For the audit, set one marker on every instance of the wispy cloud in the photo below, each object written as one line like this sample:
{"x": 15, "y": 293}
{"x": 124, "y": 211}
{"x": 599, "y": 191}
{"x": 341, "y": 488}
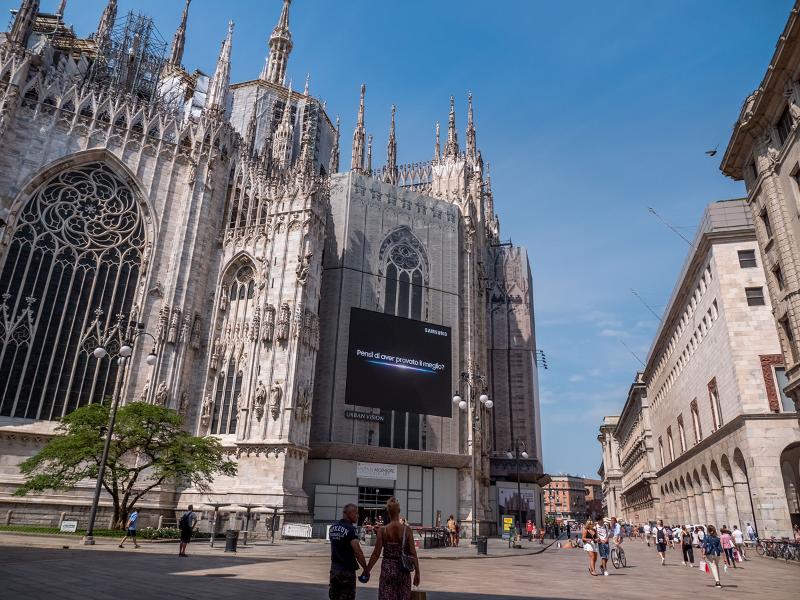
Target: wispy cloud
{"x": 614, "y": 333}
{"x": 577, "y": 377}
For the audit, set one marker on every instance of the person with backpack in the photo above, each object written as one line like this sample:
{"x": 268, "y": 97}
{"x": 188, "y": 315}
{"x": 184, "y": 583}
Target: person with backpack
{"x": 186, "y": 525}
{"x": 661, "y": 541}
{"x": 686, "y": 547}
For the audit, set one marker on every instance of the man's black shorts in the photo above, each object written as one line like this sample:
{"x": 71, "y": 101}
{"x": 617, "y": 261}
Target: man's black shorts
{"x": 132, "y": 533}
{"x": 186, "y": 535}
{"x": 343, "y": 585}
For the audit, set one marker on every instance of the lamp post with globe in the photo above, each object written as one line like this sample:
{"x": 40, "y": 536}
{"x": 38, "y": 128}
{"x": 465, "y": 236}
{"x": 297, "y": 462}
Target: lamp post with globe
{"x": 117, "y": 339}
{"x": 474, "y": 383}
{"x": 519, "y": 451}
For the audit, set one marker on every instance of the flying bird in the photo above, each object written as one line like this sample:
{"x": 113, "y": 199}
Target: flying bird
{"x": 712, "y": 152}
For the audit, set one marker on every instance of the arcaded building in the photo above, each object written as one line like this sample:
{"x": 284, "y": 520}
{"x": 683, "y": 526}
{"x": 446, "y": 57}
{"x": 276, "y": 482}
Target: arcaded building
{"x": 719, "y": 417}
{"x": 137, "y": 192}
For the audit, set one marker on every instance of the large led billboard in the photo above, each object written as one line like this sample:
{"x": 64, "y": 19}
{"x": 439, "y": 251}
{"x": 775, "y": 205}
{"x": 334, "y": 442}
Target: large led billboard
{"x": 399, "y": 364}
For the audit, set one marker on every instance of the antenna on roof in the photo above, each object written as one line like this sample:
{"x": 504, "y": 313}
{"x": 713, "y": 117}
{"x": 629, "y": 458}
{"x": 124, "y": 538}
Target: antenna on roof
{"x": 631, "y": 351}
{"x": 675, "y": 231}
{"x": 635, "y": 293}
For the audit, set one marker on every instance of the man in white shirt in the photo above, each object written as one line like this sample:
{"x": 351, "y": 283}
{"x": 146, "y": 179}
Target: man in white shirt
{"x": 738, "y": 541}
{"x": 647, "y": 533}
{"x": 751, "y": 533}
{"x": 603, "y": 534}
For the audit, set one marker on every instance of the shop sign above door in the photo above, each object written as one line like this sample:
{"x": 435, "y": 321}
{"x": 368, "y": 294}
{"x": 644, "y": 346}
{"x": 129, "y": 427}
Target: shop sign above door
{"x": 376, "y": 471}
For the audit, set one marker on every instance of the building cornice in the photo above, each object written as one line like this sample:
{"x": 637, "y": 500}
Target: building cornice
{"x": 336, "y": 450}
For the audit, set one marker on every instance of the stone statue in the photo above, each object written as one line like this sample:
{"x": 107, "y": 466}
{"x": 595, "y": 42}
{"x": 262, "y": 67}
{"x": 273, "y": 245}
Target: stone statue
{"x": 260, "y": 400}
{"x": 223, "y": 299}
{"x": 303, "y": 267}
{"x": 145, "y": 391}
{"x": 183, "y": 402}
{"x": 205, "y": 411}
{"x": 172, "y": 335}
{"x": 162, "y": 394}
{"x": 275, "y": 402}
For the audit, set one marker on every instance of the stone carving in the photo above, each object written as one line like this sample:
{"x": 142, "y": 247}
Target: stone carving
{"x": 205, "y": 411}
{"x": 186, "y": 328}
{"x": 303, "y": 267}
{"x": 145, "y": 391}
{"x": 303, "y": 404}
{"x": 269, "y": 324}
{"x": 196, "y": 332}
{"x": 215, "y": 356}
{"x": 223, "y": 300}
{"x": 183, "y": 402}
{"x": 162, "y": 394}
{"x": 163, "y": 318}
{"x": 275, "y": 401}
{"x": 284, "y": 322}
{"x": 172, "y": 334}
{"x": 260, "y": 400}
{"x": 255, "y": 325}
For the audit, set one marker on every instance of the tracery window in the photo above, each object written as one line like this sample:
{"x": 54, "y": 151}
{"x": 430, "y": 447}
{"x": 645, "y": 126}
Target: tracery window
{"x": 235, "y": 319}
{"x": 404, "y": 264}
{"x": 74, "y": 256}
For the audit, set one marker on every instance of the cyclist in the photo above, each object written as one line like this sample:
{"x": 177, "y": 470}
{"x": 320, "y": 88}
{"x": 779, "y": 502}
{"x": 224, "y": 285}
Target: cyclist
{"x": 616, "y": 532}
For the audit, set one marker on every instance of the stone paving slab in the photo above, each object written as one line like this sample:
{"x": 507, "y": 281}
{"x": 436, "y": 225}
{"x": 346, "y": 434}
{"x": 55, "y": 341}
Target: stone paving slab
{"x": 37, "y": 572}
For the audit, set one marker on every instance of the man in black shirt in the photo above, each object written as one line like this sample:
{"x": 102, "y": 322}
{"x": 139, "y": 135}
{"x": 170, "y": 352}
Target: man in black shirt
{"x": 346, "y": 555}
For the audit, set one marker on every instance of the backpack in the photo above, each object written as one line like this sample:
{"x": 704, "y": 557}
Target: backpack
{"x": 184, "y": 522}
{"x": 660, "y": 536}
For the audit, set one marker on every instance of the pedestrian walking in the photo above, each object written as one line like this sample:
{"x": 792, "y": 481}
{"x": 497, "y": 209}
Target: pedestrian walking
{"x": 589, "y": 537}
{"x": 738, "y": 541}
{"x": 727, "y": 547}
{"x": 131, "y": 526}
{"x": 186, "y": 525}
{"x": 396, "y": 541}
{"x": 529, "y": 530}
{"x": 751, "y": 533}
{"x": 647, "y": 530}
{"x": 712, "y": 548}
{"x": 695, "y": 537}
{"x": 661, "y": 541}
{"x": 686, "y": 547}
{"x": 346, "y": 556}
{"x": 603, "y": 535}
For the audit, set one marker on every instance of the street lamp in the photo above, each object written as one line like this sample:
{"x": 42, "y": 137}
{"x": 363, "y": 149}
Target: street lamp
{"x": 473, "y": 381}
{"x": 111, "y": 340}
{"x": 518, "y": 452}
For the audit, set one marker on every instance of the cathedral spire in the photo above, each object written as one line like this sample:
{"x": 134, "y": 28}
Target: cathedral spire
{"x": 359, "y": 137}
{"x": 280, "y": 46}
{"x": 22, "y": 27}
{"x": 179, "y": 41}
{"x": 284, "y": 135}
{"x": 308, "y": 79}
{"x": 471, "y": 143}
{"x": 218, "y": 87}
{"x": 62, "y": 8}
{"x": 369, "y": 154}
{"x": 334, "y": 163}
{"x": 391, "y": 152}
{"x": 252, "y": 127}
{"x": 451, "y": 149}
{"x": 103, "y": 34}
{"x": 437, "y": 149}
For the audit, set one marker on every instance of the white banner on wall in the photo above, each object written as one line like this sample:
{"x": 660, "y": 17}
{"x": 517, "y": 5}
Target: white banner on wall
{"x": 376, "y": 471}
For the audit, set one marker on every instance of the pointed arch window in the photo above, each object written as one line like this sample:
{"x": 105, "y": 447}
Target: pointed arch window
{"x": 75, "y": 255}
{"x": 404, "y": 264}
{"x": 235, "y": 323}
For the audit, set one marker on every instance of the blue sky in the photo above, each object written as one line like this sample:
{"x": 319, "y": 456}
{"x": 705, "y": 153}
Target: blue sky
{"x": 589, "y": 112}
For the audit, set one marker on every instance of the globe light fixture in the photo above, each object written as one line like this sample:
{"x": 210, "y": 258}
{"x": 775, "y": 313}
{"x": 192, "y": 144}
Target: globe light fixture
{"x": 99, "y": 352}
{"x": 121, "y": 360}
{"x": 456, "y": 399}
{"x": 524, "y": 454}
{"x": 509, "y": 454}
{"x": 462, "y": 405}
{"x": 151, "y": 358}
{"x": 484, "y": 398}
{"x": 125, "y": 351}
{"x": 488, "y": 404}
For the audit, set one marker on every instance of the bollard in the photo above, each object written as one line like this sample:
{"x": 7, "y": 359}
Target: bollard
{"x": 483, "y": 545}
{"x": 9, "y": 514}
{"x": 160, "y": 521}
{"x": 61, "y": 519}
{"x": 231, "y": 540}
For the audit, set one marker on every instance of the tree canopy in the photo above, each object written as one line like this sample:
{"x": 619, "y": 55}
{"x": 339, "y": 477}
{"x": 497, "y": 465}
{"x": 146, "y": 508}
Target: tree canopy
{"x": 148, "y": 449}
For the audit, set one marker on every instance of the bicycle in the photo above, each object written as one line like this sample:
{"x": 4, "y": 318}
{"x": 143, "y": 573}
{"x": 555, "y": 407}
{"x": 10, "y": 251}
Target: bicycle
{"x": 618, "y": 557}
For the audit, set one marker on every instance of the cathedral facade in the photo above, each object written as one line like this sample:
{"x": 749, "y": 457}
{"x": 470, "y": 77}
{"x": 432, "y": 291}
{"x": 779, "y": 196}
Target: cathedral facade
{"x": 136, "y": 195}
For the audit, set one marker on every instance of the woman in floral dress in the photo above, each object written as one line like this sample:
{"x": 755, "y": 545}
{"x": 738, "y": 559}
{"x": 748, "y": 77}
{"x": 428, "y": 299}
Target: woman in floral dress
{"x": 395, "y": 582}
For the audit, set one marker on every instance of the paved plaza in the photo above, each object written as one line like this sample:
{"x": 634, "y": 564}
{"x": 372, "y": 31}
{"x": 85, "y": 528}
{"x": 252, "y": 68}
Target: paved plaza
{"x": 39, "y": 568}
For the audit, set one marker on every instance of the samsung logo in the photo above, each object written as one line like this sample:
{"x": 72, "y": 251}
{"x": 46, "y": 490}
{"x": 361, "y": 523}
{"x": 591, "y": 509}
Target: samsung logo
{"x": 435, "y": 331}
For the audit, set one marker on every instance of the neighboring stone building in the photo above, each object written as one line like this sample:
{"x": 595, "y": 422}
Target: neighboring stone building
{"x": 594, "y": 498}
{"x": 712, "y": 378}
{"x": 610, "y": 471}
{"x": 764, "y": 152}
{"x": 565, "y": 498}
{"x": 214, "y": 215}
{"x": 638, "y": 492}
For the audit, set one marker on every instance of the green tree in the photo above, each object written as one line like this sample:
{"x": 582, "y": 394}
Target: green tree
{"x": 148, "y": 448}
